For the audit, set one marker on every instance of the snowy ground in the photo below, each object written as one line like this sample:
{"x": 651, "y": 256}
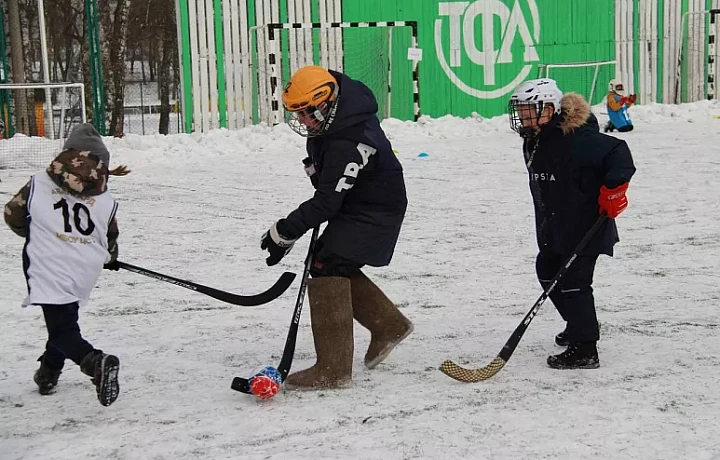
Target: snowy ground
{"x": 195, "y": 207}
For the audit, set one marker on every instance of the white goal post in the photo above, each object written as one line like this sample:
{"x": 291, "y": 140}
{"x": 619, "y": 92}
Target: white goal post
{"x": 698, "y": 60}
{"x": 337, "y": 58}
{"x": 585, "y": 78}
{"x": 49, "y": 112}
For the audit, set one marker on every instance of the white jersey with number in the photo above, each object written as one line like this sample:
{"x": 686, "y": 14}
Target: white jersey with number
{"x": 67, "y": 243}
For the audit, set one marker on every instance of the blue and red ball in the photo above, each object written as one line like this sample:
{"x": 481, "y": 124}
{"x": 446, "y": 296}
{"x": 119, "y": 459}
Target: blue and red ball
{"x": 266, "y": 383}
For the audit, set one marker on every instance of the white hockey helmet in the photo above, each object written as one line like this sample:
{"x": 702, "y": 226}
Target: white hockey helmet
{"x": 616, "y": 86}
{"x": 538, "y": 93}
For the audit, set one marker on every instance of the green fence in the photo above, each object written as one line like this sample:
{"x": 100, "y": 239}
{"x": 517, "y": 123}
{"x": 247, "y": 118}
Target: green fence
{"x": 474, "y": 52}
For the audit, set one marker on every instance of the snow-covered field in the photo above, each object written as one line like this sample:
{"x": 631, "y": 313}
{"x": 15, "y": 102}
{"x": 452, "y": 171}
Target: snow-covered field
{"x": 195, "y": 207}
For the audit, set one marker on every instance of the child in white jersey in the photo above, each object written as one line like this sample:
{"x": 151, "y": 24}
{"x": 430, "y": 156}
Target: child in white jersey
{"x": 67, "y": 216}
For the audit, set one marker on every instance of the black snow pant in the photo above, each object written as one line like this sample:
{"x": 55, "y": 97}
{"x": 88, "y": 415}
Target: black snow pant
{"x": 573, "y": 295}
{"x": 328, "y": 263}
{"x": 64, "y": 338}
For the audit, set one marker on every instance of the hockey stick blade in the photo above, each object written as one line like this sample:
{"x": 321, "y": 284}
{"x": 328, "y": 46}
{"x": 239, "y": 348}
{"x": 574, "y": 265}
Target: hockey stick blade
{"x": 243, "y": 385}
{"x": 462, "y": 374}
{"x": 275, "y": 291}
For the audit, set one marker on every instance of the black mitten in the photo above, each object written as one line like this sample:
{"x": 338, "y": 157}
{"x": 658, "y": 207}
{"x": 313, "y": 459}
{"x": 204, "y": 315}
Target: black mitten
{"x": 112, "y": 265}
{"x": 276, "y": 244}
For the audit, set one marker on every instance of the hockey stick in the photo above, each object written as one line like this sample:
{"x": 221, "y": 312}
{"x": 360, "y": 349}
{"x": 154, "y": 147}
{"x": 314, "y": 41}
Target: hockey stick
{"x": 271, "y": 294}
{"x": 462, "y": 374}
{"x": 243, "y": 385}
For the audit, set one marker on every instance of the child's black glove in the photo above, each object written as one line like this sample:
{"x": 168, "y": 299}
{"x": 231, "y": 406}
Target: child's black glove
{"x": 112, "y": 265}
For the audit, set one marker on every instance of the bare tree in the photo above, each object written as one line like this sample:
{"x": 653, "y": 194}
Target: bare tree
{"x": 113, "y": 16}
{"x": 18, "y": 67}
{"x": 168, "y": 51}
{"x": 65, "y": 35}
{"x": 30, "y": 27}
{"x": 139, "y": 31}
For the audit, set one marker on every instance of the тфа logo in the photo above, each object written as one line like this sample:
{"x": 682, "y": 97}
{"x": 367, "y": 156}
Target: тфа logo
{"x": 465, "y": 21}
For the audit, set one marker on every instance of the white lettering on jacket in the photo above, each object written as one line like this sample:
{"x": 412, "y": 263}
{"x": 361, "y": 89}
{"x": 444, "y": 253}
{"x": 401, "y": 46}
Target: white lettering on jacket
{"x": 352, "y": 169}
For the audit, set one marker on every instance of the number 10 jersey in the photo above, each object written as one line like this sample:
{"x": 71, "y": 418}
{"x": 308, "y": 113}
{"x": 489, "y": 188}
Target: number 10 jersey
{"x": 67, "y": 242}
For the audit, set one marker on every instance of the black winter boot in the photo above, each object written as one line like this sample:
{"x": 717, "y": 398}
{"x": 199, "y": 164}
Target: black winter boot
{"x": 103, "y": 370}
{"x": 46, "y": 378}
{"x": 562, "y": 338}
{"x": 579, "y": 355}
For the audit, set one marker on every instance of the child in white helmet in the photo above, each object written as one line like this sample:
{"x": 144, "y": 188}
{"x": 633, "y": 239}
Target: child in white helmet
{"x": 575, "y": 174}
{"x": 617, "y": 108}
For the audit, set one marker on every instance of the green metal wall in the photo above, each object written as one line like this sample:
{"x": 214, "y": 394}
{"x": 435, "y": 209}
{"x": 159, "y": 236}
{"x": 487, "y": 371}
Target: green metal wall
{"x": 566, "y": 31}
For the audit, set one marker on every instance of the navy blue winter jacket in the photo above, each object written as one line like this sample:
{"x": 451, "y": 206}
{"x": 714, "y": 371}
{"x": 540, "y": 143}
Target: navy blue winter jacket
{"x": 567, "y": 164}
{"x": 360, "y": 190}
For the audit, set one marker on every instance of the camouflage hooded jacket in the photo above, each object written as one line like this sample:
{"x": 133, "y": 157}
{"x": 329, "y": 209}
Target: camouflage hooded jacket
{"x": 77, "y": 172}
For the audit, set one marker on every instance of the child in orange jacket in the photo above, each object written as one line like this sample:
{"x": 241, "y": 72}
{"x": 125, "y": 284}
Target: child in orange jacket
{"x": 617, "y": 105}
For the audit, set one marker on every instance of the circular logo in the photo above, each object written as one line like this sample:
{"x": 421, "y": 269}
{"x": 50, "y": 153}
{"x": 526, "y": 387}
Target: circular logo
{"x": 465, "y": 20}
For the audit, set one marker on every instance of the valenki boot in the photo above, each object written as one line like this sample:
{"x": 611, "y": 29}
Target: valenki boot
{"x": 387, "y": 325}
{"x": 332, "y": 325}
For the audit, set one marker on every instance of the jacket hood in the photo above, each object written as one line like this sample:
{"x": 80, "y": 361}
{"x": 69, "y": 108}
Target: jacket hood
{"x": 84, "y": 137}
{"x": 575, "y": 113}
{"x": 356, "y": 103}
{"x": 79, "y": 172}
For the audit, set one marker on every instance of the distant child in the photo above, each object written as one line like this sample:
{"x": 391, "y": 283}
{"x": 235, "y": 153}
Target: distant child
{"x": 617, "y": 108}
{"x": 67, "y": 217}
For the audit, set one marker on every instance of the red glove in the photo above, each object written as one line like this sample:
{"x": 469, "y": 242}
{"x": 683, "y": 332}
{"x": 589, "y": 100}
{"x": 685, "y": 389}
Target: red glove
{"x": 633, "y": 98}
{"x": 613, "y": 201}
{"x": 623, "y": 100}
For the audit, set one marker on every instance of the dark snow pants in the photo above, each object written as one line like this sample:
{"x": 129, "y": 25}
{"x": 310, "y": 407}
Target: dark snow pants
{"x": 64, "y": 338}
{"x": 573, "y": 295}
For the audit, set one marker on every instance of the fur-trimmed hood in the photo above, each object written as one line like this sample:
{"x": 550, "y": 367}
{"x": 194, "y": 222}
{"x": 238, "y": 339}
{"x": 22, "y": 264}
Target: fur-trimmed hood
{"x": 575, "y": 112}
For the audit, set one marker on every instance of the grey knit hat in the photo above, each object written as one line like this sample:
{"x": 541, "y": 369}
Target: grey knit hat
{"x": 85, "y": 137}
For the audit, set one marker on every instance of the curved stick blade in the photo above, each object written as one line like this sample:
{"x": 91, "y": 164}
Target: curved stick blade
{"x": 275, "y": 291}
{"x": 462, "y": 374}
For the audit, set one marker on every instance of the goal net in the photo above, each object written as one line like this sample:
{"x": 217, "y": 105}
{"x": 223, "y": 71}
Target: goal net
{"x": 374, "y": 44}
{"x": 587, "y": 78}
{"x": 380, "y": 54}
{"x": 698, "y": 57}
{"x": 35, "y": 119}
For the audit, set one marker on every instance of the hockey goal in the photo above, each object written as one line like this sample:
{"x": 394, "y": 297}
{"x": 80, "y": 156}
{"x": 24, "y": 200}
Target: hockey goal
{"x": 698, "y": 57}
{"x": 587, "y": 78}
{"x": 383, "y": 55}
{"x": 35, "y": 119}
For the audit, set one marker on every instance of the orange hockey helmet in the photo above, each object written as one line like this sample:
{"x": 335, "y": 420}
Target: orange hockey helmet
{"x": 310, "y": 99}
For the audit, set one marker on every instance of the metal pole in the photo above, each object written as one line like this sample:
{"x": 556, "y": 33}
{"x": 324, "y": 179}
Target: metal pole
{"x": 142, "y": 108}
{"x": 46, "y": 67}
{"x": 592, "y": 88}
{"x": 82, "y": 100}
{"x": 389, "y": 85}
{"x": 62, "y": 113}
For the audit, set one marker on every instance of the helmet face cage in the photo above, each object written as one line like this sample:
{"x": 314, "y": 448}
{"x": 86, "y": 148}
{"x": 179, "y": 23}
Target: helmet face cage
{"x": 313, "y": 120}
{"x": 617, "y": 87}
{"x": 525, "y": 116}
